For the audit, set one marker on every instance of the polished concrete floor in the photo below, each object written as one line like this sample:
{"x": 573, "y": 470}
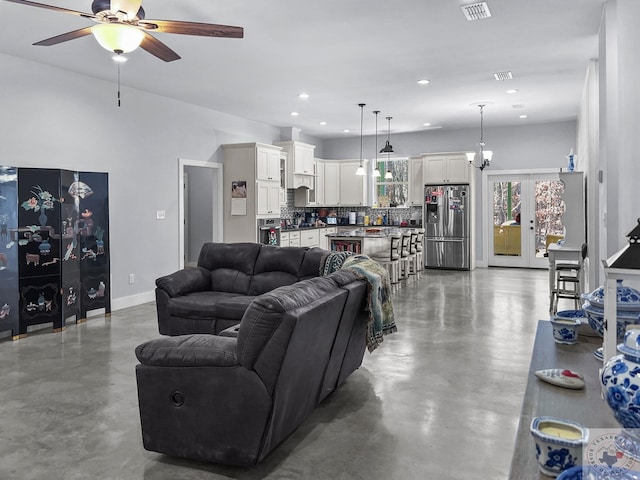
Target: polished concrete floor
{"x": 440, "y": 399}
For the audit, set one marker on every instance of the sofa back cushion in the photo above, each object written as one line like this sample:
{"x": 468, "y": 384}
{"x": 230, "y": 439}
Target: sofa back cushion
{"x": 265, "y": 315}
{"x": 311, "y": 263}
{"x": 231, "y": 265}
{"x": 275, "y": 267}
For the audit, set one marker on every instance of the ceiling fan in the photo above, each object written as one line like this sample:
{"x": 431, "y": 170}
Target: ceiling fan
{"x": 121, "y": 28}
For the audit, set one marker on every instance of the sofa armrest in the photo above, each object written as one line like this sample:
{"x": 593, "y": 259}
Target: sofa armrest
{"x": 185, "y": 281}
{"x": 231, "y": 331}
{"x": 197, "y": 350}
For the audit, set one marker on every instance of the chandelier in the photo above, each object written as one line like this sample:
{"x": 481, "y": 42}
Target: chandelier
{"x": 482, "y": 158}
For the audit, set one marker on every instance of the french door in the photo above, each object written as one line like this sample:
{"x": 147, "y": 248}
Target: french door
{"x": 525, "y": 216}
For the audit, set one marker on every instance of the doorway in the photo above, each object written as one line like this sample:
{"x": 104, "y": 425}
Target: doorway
{"x": 525, "y": 215}
{"x": 200, "y": 207}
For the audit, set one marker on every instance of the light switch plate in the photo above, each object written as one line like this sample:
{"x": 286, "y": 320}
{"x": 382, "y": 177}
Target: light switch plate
{"x": 160, "y": 215}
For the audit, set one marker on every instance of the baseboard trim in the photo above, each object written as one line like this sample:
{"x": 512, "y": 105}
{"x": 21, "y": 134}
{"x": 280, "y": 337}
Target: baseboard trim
{"x": 133, "y": 300}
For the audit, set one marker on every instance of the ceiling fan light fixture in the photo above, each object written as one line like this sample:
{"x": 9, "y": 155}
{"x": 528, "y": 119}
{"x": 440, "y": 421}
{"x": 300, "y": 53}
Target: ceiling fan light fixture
{"x": 117, "y": 37}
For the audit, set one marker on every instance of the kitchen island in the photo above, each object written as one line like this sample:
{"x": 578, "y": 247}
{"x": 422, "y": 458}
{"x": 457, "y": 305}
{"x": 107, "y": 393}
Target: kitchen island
{"x": 366, "y": 241}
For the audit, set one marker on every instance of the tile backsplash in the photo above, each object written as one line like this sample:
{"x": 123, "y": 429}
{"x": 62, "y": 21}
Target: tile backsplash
{"x": 394, "y": 215}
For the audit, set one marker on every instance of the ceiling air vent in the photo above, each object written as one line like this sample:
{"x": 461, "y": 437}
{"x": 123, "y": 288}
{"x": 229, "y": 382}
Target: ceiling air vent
{"x": 476, "y": 11}
{"x": 503, "y": 76}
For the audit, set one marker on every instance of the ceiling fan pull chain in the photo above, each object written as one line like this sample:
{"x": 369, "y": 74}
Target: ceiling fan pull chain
{"x": 118, "y": 84}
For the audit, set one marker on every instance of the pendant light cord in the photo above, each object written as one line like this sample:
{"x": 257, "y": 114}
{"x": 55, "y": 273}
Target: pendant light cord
{"x": 118, "y": 84}
{"x": 361, "y": 105}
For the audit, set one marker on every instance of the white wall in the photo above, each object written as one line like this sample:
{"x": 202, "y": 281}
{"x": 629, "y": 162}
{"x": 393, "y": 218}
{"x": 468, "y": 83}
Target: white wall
{"x": 57, "y": 119}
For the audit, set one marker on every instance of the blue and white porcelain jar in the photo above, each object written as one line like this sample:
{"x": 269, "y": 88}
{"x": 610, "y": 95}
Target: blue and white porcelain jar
{"x": 621, "y": 388}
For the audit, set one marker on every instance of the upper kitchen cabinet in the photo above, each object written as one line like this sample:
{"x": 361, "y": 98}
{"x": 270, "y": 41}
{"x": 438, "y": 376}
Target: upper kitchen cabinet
{"x": 353, "y": 188}
{"x": 446, "y": 168}
{"x": 267, "y": 163}
{"x": 416, "y": 181}
{"x": 331, "y": 179}
{"x": 300, "y": 163}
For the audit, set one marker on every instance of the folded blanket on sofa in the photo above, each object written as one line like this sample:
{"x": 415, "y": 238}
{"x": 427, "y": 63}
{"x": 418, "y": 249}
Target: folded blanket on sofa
{"x": 381, "y": 319}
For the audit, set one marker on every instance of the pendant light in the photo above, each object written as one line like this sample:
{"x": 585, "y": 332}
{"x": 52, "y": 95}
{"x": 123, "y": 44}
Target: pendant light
{"x": 388, "y": 175}
{"x": 376, "y": 171}
{"x": 388, "y": 148}
{"x": 360, "y": 171}
{"x": 482, "y": 156}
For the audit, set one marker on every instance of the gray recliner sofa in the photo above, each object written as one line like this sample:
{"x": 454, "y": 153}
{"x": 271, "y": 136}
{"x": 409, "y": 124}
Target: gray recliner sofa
{"x": 214, "y": 295}
{"x": 232, "y": 400}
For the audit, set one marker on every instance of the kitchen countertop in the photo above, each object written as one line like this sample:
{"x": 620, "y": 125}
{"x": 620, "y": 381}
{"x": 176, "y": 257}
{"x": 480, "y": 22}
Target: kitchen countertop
{"x": 356, "y": 226}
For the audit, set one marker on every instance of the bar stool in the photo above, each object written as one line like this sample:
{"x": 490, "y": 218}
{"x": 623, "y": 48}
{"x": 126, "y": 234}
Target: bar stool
{"x": 419, "y": 247}
{"x": 406, "y": 257}
{"x": 568, "y": 281}
{"x": 390, "y": 259}
{"x": 413, "y": 253}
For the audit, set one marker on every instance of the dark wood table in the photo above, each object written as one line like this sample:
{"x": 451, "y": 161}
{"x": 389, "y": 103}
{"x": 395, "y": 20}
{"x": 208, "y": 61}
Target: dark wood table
{"x": 542, "y": 399}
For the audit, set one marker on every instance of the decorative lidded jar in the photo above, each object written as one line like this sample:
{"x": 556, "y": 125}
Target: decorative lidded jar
{"x": 621, "y": 388}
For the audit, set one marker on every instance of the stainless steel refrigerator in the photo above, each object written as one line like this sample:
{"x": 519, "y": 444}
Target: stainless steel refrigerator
{"x": 447, "y": 225}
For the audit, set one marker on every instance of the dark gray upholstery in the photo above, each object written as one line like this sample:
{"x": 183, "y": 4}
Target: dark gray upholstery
{"x": 232, "y": 399}
{"x": 214, "y": 295}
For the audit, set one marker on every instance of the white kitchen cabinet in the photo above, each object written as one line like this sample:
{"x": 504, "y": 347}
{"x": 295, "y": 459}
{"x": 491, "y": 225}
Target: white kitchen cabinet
{"x": 353, "y": 188}
{"x": 331, "y": 174}
{"x": 284, "y": 239}
{"x": 310, "y": 238}
{"x": 268, "y": 198}
{"x": 283, "y": 179}
{"x": 416, "y": 181}
{"x": 453, "y": 168}
{"x": 300, "y": 163}
{"x": 294, "y": 239}
{"x": 267, "y": 164}
{"x": 319, "y": 188}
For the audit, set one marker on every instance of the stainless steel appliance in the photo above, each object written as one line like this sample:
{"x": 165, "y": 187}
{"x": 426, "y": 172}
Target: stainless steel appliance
{"x": 269, "y": 231}
{"x": 446, "y": 237}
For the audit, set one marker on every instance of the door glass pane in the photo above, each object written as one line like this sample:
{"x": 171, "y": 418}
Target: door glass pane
{"x": 549, "y": 210}
{"x": 506, "y": 218}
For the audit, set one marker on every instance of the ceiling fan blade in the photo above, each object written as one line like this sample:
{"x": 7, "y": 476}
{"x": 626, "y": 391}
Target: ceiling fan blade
{"x": 157, "y": 48}
{"x": 192, "y": 28}
{"x": 51, "y": 7}
{"x": 65, "y": 37}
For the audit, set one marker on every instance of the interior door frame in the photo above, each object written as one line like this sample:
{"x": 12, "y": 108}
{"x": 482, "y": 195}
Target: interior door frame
{"x": 217, "y": 233}
{"x": 487, "y": 218}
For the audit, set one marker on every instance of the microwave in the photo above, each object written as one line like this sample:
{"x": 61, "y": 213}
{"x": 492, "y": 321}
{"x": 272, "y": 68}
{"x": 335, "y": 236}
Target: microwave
{"x": 332, "y": 220}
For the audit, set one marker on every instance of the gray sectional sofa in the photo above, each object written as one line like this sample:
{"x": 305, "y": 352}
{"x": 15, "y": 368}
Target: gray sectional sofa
{"x": 232, "y": 400}
{"x": 214, "y": 295}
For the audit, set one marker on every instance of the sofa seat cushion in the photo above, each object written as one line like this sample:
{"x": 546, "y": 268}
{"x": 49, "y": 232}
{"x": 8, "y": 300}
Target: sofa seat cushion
{"x": 209, "y": 305}
{"x": 188, "y": 351}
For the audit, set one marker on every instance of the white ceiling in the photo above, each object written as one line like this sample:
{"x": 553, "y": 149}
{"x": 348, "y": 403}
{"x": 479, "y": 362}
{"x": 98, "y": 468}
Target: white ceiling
{"x": 344, "y": 52}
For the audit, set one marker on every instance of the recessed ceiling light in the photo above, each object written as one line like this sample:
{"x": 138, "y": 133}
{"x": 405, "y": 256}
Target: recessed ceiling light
{"x": 346, "y": 130}
{"x": 513, "y": 90}
{"x": 323, "y": 123}
{"x": 424, "y": 81}
{"x": 294, "y": 114}
{"x": 304, "y": 96}
{"x": 427, "y": 124}
{"x": 523, "y": 116}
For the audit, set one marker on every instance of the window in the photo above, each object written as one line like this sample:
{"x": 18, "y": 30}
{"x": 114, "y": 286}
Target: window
{"x": 394, "y": 192}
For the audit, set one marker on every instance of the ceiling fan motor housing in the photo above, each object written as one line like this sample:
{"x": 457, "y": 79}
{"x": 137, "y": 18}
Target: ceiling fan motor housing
{"x": 99, "y": 6}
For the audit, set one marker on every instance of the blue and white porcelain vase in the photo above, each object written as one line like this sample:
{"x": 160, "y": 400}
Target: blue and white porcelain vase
{"x": 621, "y": 388}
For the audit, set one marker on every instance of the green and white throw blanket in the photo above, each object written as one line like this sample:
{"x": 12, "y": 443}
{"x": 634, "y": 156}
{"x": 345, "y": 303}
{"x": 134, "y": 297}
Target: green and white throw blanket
{"x": 381, "y": 320}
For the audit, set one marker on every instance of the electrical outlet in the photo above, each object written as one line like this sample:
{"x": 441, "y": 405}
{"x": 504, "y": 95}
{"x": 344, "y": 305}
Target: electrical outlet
{"x": 132, "y": 278}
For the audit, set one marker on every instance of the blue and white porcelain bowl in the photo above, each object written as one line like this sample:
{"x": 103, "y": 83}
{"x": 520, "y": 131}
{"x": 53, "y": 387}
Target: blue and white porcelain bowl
{"x": 558, "y": 444}
{"x": 598, "y": 473}
{"x": 627, "y": 298}
{"x": 565, "y": 330}
{"x": 595, "y": 316}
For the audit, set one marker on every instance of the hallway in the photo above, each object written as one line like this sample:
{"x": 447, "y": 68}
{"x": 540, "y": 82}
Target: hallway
{"x": 440, "y": 399}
